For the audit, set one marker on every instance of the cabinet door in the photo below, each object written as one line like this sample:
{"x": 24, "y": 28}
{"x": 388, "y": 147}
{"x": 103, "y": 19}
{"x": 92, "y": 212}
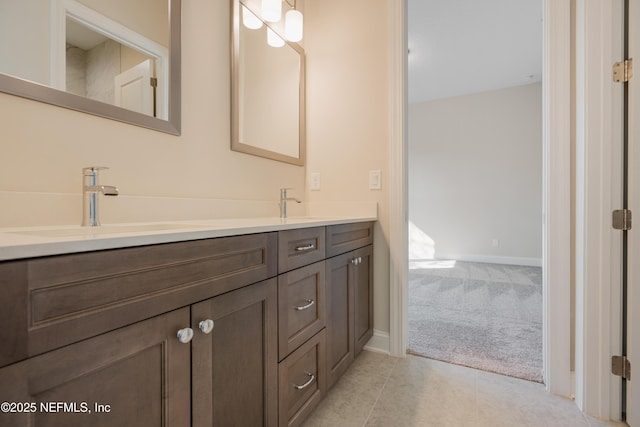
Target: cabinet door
{"x": 137, "y": 375}
{"x": 340, "y": 338}
{"x": 235, "y": 366}
{"x": 363, "y": 296}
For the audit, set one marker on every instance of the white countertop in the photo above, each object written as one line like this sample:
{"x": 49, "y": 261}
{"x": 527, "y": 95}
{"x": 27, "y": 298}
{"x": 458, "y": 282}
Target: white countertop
{"x": 29, "y": 242}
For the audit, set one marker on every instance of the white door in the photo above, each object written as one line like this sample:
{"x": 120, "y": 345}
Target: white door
{"x": 133, "y": 89}
{"x": 633, "y": 289}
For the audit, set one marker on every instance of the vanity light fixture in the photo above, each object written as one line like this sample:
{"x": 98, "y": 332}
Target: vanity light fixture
{"x": 293, "y": 24}
{"x": 272, "y": 10}
{"x": 273, "y": 39}
{"x": 250, "y": 20}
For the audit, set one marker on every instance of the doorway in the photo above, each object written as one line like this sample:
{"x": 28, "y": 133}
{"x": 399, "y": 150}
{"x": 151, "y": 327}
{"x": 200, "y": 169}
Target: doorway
{"x": 475, "y": 184}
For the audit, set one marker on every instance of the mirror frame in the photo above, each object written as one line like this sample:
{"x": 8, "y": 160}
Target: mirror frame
{"x": 241, "y": 147}
{"x": 38, "y": 92}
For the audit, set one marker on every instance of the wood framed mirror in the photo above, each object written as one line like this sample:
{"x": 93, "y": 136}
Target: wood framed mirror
{"x": 268, "y": 89}
{"x": 119, "y": 59}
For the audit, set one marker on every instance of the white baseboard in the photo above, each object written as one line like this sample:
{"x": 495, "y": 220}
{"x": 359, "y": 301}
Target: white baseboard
{"x": 494, "y": 259}
{"x": 379, "y": 342}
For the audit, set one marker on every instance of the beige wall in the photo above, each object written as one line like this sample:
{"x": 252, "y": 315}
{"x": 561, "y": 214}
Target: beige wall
{"x": 475, "y": 174}
{"x": 44, "y": 147}
{"x": 348, "y": 114}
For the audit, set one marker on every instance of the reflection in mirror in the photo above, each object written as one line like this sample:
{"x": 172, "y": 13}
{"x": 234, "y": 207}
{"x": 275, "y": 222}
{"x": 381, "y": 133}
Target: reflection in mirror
{"x": 106, "y": 58}
{"x": 268, "y": 90}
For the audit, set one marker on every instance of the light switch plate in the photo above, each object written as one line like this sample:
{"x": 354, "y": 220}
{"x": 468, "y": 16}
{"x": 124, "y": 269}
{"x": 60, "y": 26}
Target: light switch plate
{"x": 375, "y": 180}
{"x": 314, "y": 185}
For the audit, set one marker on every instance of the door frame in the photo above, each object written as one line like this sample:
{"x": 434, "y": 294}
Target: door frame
{"x": 556, "y": 194}
{"x": 597, "y": 248}
{"x": 598, "y": 102}
{"x": 61, "y": 9}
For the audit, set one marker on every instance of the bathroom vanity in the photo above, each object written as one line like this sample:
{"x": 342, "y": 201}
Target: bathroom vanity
{"x": 240, "y": 327}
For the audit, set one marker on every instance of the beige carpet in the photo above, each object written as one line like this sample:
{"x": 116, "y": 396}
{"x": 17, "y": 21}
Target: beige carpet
{"x": 485, "y": 316}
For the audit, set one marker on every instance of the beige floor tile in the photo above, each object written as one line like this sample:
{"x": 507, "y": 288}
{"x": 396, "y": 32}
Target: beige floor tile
{"x": 351, "y": 399}
{"x": 382, "y": 391}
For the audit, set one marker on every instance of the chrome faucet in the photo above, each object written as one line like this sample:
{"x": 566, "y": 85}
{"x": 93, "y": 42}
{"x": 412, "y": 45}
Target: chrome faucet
{"x": 283, "y": 201}
{"x": 90, "y": 190}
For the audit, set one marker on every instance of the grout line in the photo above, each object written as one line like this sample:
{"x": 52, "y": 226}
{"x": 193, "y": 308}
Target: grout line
{"x": 379, "y": 394}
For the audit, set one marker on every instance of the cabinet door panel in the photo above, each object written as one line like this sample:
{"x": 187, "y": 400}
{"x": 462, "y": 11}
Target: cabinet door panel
{"x": 140, "y": 373}
{"x": 363, "y": 299}
{"x": 234, "y": 371}
{"x": 339, "y": 288}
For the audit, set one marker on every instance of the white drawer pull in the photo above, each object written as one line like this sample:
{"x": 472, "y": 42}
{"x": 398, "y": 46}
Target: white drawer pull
{"x": 305, "y": 247}
{"x": 310, "y": 302}
{"x": 307, "y": 384}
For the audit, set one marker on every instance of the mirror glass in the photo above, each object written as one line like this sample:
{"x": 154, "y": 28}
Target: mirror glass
{"x": 268, "y": 90}
{"x": 119, "y": 59}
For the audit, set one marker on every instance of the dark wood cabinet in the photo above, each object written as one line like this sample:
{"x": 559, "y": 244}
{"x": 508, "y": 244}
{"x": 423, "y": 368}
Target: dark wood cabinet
{"x": 340, "y": 316}
{"x": 267, "y": 323}
{"x": 349, "y": 290}
{"x": 235, "y": 366}
{"x": 301, "y": 311}
{"x": 363, "y": 297}
{"x": 136, "y": 375}
{"x": 302, "y": 381}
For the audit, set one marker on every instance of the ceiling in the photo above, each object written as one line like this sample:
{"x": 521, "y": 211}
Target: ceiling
{"x": 458, "y": 47}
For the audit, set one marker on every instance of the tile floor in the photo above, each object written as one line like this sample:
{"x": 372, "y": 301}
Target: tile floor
{"x": 380, "y": 390}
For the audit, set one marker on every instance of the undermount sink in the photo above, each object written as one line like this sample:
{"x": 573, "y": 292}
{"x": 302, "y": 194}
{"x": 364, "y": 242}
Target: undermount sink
{"x": 109, "y": 229}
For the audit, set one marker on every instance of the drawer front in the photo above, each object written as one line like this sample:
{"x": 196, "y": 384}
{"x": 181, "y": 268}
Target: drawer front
{"x": 302, "y": 381}
{"x": 73, "y": 297}
{"x": 297, "y": 248}
{"x": 301, "y": 306}
{"x": 343, "y": 238}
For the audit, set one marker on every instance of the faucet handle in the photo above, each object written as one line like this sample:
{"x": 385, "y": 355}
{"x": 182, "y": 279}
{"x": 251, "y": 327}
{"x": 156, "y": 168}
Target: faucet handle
{"x": 92, "y": 170}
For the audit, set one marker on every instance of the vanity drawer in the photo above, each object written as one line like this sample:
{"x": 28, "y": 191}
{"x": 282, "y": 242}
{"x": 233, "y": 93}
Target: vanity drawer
{"x": 72, "y": 297}
{"x": 301, "y": 306}
{"x": 343, "y": 238}
{"x": 300, "y": 247}
{"x": 302, "y": 381}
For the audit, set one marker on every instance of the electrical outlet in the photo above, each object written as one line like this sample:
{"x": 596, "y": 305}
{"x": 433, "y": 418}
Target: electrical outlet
{"x": 375, "y": 180}
{"x": 314, "y": 185}
{"x": 495, "y": 242}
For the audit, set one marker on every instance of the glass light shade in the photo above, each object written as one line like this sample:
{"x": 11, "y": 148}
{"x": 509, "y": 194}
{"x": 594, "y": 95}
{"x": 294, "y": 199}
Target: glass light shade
{"x": 250, "y": 20}
{"x": 293, "y": 25}
{"x": 273, "y": 39}
{"x": 271, "y": 10}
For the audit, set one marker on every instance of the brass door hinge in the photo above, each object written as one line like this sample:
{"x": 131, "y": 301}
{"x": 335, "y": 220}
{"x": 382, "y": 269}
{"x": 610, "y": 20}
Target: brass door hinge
{"x": 623, "y": 71}
{"x": 621, "y": 367}
{"x": 622, "y": 219}
{"x": 154, "y": 82}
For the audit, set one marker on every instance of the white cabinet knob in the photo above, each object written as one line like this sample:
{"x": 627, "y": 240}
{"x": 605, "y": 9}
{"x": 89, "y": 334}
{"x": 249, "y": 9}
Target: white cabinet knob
{"x": 206, "y": 326}
{"x": 185, "y": 335}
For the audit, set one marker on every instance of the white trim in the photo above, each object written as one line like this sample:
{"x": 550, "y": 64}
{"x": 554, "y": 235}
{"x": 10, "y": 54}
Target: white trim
{"x": 556, "y": 83}
{"x": 379, "y": 342}
{"x": 493, "y": 259}
{"x": 99, "y": 23}
{"x": 597, "y": 192}
{"x": 398, "y": 212}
